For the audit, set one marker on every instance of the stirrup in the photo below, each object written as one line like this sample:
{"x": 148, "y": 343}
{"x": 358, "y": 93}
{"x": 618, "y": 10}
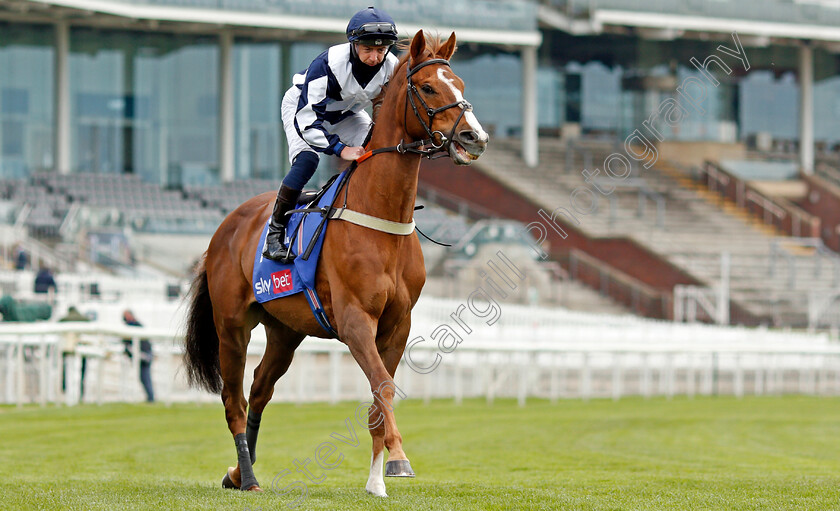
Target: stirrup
{"x": 283, "y": 256}
{"x": 286, "y": 256}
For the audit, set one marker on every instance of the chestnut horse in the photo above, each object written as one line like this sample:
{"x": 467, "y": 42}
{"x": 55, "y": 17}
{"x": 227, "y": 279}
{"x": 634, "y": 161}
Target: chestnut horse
{"x": 368, "y": 280}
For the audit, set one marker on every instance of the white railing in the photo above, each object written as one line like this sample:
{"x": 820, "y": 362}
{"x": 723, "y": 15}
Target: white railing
{"x": 528, "y": 353}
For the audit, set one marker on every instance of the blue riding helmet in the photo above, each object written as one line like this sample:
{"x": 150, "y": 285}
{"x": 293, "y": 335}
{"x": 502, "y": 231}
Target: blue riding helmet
{"x": 372, "y": 26}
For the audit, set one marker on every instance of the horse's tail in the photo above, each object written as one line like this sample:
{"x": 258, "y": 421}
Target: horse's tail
{"x": 201, "y": 346}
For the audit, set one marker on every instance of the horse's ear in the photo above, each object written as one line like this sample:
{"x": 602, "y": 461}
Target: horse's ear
{"x": 448, "y": 48}
{"x": 418, "y": 46}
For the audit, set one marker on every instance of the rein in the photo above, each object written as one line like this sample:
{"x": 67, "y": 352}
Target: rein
{"x": 437, "y": 141}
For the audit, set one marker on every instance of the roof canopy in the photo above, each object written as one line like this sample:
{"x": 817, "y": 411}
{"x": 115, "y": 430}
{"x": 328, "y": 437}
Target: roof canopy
{"x": 760, "y": 22}
{"x": 508, "y": 23}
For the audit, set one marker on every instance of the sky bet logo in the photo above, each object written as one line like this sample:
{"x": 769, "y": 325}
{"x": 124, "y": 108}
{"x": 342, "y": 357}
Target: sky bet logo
{"x": 281, "y": 281}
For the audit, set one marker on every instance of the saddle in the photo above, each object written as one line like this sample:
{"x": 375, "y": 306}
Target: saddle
{"x": 305, "y": 235}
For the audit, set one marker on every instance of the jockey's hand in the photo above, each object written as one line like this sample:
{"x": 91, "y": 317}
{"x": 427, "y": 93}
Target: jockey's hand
{"x": 352, "y": 153}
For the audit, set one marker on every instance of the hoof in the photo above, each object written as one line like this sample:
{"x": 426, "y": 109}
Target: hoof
{"x": 256, "y": 488}
{"x": 398, "y": 468}
{"x": 227, "y": 480}
{"x": 376, "y": 488}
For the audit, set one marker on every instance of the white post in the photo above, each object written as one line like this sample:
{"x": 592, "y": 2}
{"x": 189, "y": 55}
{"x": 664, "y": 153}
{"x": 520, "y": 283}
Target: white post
{"x": 759, "y": 376}
{"x": 708, "y": 376}
{"x": 100, "y": 370}
{"x": 61, "y": 101}
{"x": 459, "y": 377}
{"x": 407, "y": 380}
{"x": 42, "y": 380}
{"x": 690, "y": 377}
{"x": 585, "y": 378}
{"x": 530, "y": 149}
{"x": 57, "y": 364}
{"x": 823, "y": 376}
{"x": 491, "y": 384}
{"x": 554, "y": 385}
{"x": 670, "y": 384}
{"x": 723, "y": 290}
{"x": 20, "y": 371}
{"x": 806, "y": 109}
{"x": 617, "y": 377}
{"x": 73, "y": 380}
{"x": 427, "y": 390}
{"x": 226, "y": 139}
{"x": 335, "y": 376}
{"x": 10, "y": 372}
{"x": 523, "y": 380}
{"x": 303, "y": 373}
{"x": 802, "y": 374}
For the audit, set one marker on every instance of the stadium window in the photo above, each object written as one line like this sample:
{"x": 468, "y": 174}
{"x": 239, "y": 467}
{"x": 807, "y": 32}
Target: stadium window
{"x": 12, "y": 138}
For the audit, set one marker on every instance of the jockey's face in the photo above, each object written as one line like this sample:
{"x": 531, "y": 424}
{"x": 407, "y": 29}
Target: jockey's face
{"x": 371, "y": 55}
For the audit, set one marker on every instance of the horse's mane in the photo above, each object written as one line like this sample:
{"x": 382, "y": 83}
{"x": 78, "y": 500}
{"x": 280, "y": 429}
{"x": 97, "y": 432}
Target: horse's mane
{"x": 433, "y": 44}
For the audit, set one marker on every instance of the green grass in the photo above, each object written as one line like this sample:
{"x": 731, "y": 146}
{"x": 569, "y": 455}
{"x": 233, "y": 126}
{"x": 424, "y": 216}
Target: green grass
{"x": 722, "y": 453}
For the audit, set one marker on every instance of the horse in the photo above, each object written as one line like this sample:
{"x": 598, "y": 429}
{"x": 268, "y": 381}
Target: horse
{"x": 368, "y": 280}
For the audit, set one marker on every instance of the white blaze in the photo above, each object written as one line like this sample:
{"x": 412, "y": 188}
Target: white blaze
{"x": 468, "y": 116}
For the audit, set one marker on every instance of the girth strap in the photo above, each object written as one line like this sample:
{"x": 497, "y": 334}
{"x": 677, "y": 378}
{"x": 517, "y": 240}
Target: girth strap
{"x": 372, "y": 222}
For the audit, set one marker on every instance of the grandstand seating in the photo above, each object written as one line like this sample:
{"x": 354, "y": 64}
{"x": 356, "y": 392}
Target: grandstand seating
{"x": 691, "y": 230}
{"x": 124, "y": 200}
{"x": 142, "y": 205}
{"x": 231, "y": 195}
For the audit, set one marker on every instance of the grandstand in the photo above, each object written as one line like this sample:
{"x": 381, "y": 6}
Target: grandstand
{"x": 660, "y": 209}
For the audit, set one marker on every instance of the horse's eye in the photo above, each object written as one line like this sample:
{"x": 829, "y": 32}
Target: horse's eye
{"x": 427, "y": 89}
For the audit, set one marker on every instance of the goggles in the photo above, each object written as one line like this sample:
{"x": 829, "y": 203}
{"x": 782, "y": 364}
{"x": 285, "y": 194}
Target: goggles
{"x": 373, "y": 29}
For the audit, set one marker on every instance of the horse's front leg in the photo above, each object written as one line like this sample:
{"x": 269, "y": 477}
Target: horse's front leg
{"x": 358, "y": 331}
{"x": 391, "y": 350}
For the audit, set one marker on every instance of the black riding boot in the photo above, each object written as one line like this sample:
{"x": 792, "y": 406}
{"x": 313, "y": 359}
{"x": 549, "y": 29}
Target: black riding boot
{"x": 286, "y": 201}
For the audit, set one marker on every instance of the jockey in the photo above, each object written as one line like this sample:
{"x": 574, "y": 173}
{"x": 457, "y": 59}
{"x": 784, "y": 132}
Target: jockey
{"x": 323, "y": 111}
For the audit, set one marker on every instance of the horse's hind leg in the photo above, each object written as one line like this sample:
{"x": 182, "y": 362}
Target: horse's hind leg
{"x": 279, "y": 351}
{"x": 234, "y": 332}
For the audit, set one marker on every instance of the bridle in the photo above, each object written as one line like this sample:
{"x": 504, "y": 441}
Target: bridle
{"x": 411, "y": 93}
{"x": 437, "y": 142}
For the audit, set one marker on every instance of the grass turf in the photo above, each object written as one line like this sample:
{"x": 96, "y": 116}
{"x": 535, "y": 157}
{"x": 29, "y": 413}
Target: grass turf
{"x": 706, "y": 453}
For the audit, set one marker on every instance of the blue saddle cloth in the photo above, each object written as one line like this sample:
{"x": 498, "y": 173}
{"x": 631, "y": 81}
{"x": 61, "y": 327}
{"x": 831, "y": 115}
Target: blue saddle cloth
{"x": 275, "y": 280}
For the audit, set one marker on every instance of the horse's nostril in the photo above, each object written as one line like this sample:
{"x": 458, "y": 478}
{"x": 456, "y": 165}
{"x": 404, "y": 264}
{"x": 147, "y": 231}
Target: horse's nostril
{"x": 468, "y": 136}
